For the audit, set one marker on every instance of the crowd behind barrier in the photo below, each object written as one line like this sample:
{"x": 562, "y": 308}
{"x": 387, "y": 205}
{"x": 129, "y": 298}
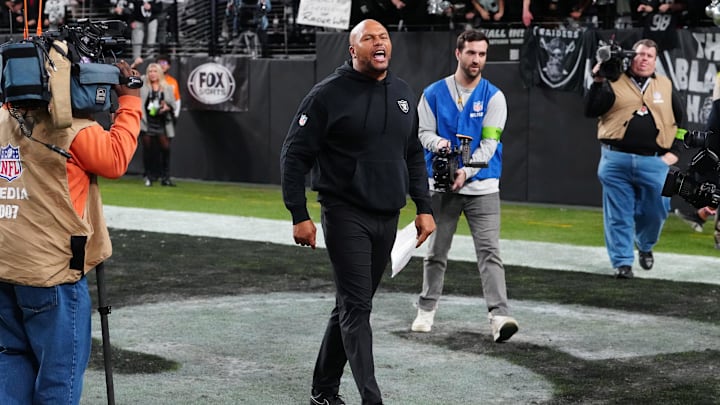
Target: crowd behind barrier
{"x": 259, "y": 28}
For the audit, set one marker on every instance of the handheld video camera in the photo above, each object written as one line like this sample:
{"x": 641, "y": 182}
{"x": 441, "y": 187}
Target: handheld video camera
{"x": 613, "y": 59}
{"x": 698, "y": 183}
{"x": 448, "y": 160}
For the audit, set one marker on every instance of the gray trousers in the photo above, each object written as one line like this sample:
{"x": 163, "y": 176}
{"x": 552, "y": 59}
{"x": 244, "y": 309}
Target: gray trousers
{"x": 483, "y": 215}
{"x": 138, "y": 39}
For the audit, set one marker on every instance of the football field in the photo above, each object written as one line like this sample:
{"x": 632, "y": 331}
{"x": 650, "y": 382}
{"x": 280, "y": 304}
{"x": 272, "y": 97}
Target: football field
{"x": 211, "y": 309}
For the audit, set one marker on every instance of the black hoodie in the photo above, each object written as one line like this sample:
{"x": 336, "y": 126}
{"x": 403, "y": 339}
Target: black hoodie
{"x": 358, "y": 135}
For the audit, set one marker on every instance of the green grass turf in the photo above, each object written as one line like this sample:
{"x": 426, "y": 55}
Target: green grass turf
{"x": 532, "y": 222}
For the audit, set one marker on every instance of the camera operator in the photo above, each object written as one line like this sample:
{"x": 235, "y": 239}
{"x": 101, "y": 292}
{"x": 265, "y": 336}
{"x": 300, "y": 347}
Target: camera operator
{"x": 53, "y": 233}
{"x": 638, "y": 127}
{"x": 466, "y": 103}
{"x": 713, "y": 142}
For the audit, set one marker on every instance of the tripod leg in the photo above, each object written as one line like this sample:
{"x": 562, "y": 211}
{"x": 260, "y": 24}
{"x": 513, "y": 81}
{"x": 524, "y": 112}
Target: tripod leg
{"x": 104, "y": 310}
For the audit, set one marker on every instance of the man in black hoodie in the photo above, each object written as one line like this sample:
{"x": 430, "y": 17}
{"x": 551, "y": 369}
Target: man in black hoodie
{"x": 356, "y": 131}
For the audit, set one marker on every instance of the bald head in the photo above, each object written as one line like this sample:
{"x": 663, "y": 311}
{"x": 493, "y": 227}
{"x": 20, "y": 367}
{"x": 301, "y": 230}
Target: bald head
{"x": 358, "y": 29}
{"x": 370, "y": 48}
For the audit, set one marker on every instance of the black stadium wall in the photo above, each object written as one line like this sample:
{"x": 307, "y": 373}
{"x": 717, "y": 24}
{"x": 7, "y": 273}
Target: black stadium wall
{"x": 551, "y": 151}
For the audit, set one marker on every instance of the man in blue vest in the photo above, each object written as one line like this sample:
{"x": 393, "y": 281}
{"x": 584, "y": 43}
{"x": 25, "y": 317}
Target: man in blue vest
{"x": 465, "y": 109}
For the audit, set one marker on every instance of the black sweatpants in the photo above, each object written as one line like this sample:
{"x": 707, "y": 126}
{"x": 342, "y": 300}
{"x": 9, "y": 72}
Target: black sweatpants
{"x": 359, "y": 245}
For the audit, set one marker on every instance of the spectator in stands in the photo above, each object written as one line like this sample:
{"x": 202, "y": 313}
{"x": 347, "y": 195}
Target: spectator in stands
{"x": 625, "y": 15}
{"x": 412, "y": 15}
{"x": 261, "y": 24}
{"x": 697, "y": 14}
{"x": 13, "y": 15}
{"x": 606, "y": 11}
{"x": 167, "y": 31}
{"x": 120, "y": 10}
{"x": 551, "y": 12}
{"x": 142, "y": 17}
{"x": 660, "y": 20}
{"x": 488, "y": 10}
{"x": 33, "y": 14}
{"x": 156, "y": 127}
{"x": 249, "y": 16}
{"x": 55, "y": 13}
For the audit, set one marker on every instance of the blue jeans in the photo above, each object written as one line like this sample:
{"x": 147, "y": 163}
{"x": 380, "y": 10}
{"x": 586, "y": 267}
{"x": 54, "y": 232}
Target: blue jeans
{"x": 634, "y": 210}
{"x": 44, "y": 343}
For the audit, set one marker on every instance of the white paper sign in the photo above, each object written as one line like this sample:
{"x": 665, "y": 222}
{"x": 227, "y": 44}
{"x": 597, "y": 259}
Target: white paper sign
{"x": 403, "y": 248}
{"x": 325, "y": 13}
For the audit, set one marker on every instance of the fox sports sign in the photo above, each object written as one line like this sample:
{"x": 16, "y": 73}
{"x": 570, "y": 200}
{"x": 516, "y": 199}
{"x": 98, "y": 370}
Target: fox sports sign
{"x": 211, "y": 83}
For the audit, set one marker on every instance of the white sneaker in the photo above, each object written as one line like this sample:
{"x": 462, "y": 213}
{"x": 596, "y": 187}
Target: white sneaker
{"x": 503, "y": 327}
{"x": 424, "y": 321}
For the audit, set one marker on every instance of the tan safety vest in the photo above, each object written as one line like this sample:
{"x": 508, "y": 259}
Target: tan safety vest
{"x": 628, "y": 100}
{"x": 44, "y": 241}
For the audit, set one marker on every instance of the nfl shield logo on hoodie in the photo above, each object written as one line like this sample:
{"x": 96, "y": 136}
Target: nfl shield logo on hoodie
{"x": 404, "y": 106}
{"x": 10, "y": 166}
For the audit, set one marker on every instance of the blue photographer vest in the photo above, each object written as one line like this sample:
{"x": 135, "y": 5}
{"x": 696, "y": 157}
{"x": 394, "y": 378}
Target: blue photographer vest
{"x": 468, "y": 122}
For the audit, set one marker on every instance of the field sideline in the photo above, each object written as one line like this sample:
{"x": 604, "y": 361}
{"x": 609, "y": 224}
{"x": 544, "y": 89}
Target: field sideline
{"x": 240, "y": 322}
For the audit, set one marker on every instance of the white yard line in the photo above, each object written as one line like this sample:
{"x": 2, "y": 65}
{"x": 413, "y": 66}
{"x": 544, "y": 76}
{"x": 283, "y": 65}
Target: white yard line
{"x": 702, "y": 269}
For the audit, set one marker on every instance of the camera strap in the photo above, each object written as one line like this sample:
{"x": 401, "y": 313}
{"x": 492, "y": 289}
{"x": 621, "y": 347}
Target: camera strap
{"x": 58, "y": 65}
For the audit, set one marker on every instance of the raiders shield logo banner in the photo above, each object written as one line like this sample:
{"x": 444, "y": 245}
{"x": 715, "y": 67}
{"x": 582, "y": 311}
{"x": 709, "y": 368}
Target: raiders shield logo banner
{"x": 553, "y": 58}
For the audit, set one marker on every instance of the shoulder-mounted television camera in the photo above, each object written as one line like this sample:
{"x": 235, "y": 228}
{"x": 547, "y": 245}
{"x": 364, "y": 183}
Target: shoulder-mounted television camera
{"x": 447, "y": 161}
{"x": 65, "y": 72}
{"x": 613, "y": 59}
{"x": 27, "y": 66}
{"x": 698, "y": 183}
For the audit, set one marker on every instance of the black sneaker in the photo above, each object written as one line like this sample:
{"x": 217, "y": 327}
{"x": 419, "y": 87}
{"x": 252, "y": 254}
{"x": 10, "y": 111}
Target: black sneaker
{"x": 693, "y": 219}
{"x": 624, "y": 272}
{"x": 646, "y": 260}
{"x": 326, "y": 399}
{"x": 167, "y": 182}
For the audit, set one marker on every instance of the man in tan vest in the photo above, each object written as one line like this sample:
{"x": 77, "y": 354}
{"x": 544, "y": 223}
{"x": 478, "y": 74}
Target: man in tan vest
{"x": 53, "y": 232}
{"x": 639, "y": 116}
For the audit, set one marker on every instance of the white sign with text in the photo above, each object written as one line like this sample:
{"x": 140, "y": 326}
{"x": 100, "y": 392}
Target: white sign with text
{"x": 325, "y": 13}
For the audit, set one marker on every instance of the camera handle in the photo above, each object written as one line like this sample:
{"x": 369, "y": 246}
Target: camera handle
{"x": 465, "y": 152}
{"x": 132, "y": 82}
{"x": 464, "y": 147}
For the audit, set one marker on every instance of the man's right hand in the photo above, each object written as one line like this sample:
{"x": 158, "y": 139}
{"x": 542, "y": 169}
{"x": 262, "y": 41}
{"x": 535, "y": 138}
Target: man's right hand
{"x": 596, "y": 73}
{"x": 304, "y": 233}
{"x": 442, "y": 143}
{"x": 425, "y": 225}
{"x": 527, "y": 18}
{"x": 126, "y": 71}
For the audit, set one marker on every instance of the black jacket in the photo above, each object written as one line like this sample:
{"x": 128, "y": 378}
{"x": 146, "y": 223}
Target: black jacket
{"x": 359, "y": 137}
